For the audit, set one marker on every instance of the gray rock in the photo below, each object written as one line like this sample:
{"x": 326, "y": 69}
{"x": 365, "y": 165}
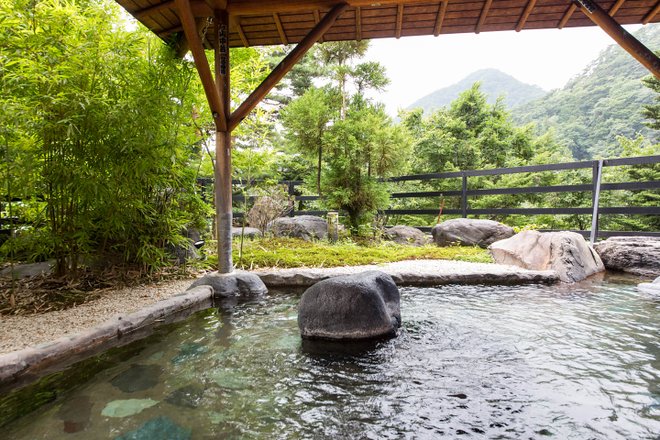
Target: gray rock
{"x": 305, "y": 227}
{"x": 470, "y": 232}
{"x": 406, "y": 235}
{"x": 188, "y": 396}
{"x": 352, "y": 307}
{"x": 228, "y": 285}
{"x": 188, "y": 251}
{"x": 652, "y": 288}
{"x": 247, "y": 232}
{"x": 161, "y": 427}
{"x": 636, "y": 255}
{"x": 28, "y": 270}
{"x": 567, "y": 253}
{"x": 137, "y": 378}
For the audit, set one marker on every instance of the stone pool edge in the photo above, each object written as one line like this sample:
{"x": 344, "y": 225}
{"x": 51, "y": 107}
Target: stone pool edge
{"x": 17, "y": 368}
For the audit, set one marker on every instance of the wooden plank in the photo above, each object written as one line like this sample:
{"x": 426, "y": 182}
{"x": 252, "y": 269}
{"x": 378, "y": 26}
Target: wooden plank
{"x": 482, "y": 17}
{"x": 615, "y": 7}
{"x": 567, "y": 16}
{"x": 399, "y": 21}
{"x": 317, "y": 19}
{"x": 285, "y": 65}
{"x": 241, "y": 34}
{"x": 525, "y": 15}
{"x": 651, "y": 15}
{"x": 280, "y": 29}
{"x": 442, "y": 11}
{"x": 629, "y": 43}
{"x": 201, "y": 63}
{"x": 358, "y": 23}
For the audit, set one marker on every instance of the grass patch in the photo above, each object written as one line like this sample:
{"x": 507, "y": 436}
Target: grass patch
{"x": 291, "y": 252}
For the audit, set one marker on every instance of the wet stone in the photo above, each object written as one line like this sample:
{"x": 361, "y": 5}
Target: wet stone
{"x": 161, "y": 427}
{"x": 128, "y": 407}
{"x": 189, "y": 352}
{"x": 137, "y": 378}
{"x": 188, "y": 396}
{"x": 75, "y": 413}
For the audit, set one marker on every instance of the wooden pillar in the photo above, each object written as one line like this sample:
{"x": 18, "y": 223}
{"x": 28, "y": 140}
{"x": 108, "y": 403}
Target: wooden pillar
{"x": 223, "y": 187}
{"x": 629, "y": 43}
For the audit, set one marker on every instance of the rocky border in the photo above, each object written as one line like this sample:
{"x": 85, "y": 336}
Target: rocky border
{"x": 20, "y": 367}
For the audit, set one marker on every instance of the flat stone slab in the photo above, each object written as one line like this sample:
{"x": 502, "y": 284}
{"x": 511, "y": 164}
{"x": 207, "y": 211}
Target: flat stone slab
{"x": 414, "y": 273}
{"x": 21, "y": 366}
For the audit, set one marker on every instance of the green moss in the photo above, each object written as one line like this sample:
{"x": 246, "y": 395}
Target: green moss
{"x": 290, "y": 252}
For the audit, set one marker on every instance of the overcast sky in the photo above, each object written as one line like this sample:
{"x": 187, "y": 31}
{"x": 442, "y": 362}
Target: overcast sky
{"x": 548, "y": 58}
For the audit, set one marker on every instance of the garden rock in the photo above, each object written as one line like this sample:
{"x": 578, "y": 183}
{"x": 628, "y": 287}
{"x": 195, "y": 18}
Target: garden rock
{"x": 231, "y": 285}
{"x": 28, "y": 270}
{"x": 305, "y": 227}
{"x": 182, "y": 253}
{"x": 636, "y": 255}
{"x": 406, "y": 235}
{"x": 351, "y": 307}
{"x": 567, "y": 253}
{"x": 247, "y": 233}
{"x": 470, "y": 232}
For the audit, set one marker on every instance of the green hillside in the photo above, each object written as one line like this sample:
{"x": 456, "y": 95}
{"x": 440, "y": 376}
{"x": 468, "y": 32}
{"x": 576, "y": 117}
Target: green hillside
{"x": 494, "y": 84}
{"x": 598, "y": 105}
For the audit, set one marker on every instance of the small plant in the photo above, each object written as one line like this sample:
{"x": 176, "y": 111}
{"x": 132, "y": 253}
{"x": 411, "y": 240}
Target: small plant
{"x": 272, "y": 204}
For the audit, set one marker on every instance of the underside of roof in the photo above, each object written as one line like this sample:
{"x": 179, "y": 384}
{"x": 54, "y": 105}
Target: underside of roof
{"x": 269, "y": 22}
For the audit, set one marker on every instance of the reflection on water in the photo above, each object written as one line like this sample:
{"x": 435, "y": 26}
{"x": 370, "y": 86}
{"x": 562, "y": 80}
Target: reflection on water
{"x": 572, "y": 362}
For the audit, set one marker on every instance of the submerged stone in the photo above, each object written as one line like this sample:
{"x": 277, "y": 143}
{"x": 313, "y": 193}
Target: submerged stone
{"x": 137, "y": 378}
{"x": 188, "y": 396}
{"x": 75, "y": 413}
{"x": 161, "y": 427}
{"x": 189, "y": 352}
{"x": 128, "y": 407}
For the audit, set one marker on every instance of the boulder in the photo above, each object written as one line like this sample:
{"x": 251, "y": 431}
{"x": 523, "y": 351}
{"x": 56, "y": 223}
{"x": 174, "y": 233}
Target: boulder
{"x": 352, "y": 307}
{"x": 470, "y": 232}
{"x": 567, "y": 253}
{"x": 306, "y": 227}
{"x": 652, "y": 288}
{"x": 406, "y": 235}
{"x": 636, "y": 255}
{"x": 188, "y": 251}
{"x": 232, "y": 285}
{"x": 247, "y": 232}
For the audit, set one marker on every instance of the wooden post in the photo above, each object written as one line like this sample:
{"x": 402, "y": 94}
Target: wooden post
{"x": 223, "y": 189}
{"x": 629, "y": 43}
{"x": 597, "y": 176}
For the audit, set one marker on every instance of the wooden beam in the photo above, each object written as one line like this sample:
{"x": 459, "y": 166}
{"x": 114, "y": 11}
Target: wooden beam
{"x": 358, "y": 23}
{"x": 651, "y": 15}
{"x": 399, "y": 20}
{"x": 442, "y": 11}
{"x": 525, "y": 15}
{"x": 616, "y": 7}
{"x": 567, "y": 16}
{"x": 629, "y": 43}
{"x": 482, "y": 17}
{"x": 285, "y": 65}
{"x": 145, "y": 12}
{"x": 317, "y": 19}
{"x": 280, "y": 29}
{"x": 222, "y": 172}
{"x": 261, "y": 7}
{"x": 201, "y": 62}
{"x": 241, "y": 34}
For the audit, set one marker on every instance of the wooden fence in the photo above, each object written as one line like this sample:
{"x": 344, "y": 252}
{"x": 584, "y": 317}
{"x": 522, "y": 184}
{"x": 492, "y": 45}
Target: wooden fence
{"x": 596, "y": 186}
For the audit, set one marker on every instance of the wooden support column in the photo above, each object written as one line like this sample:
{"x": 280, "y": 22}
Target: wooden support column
{"x": 629, "y": 43}
{"x": 285, "y": 66}
{"x": 223, "y": 189}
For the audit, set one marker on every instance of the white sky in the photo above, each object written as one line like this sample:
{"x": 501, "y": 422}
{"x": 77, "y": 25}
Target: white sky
{"x": 548, "y": 58}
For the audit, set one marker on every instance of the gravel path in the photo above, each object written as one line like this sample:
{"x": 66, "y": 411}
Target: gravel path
{"x": 17, "y": 332}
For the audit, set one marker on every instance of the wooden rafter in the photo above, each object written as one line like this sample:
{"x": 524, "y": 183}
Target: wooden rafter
{"x": 652, "y": 13}
{"x": 241, "y": 34}
{"x": 525, "y": 15}
{"x": 358, "y": 23}
{"x": 567, "y": 16}
{"x": 285, "y": 65}
{"x": 482, "y": 17}
{"x": 280, "y": 29}
{"x": 201, "y": 63}
{"x": 317, "y": 19}
{"x": 399, "y": 21}
{"x": 615, "y": 7}
{"x": 442, "y": 11}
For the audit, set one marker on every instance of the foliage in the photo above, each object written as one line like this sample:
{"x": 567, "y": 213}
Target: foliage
{"x": 271, "y": 204}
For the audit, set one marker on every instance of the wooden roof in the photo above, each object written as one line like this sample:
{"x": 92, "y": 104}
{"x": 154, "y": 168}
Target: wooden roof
{"x": 268, "y": 22}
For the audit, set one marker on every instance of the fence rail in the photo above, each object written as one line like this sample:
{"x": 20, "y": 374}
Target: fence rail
{"x": 595, "y": 187}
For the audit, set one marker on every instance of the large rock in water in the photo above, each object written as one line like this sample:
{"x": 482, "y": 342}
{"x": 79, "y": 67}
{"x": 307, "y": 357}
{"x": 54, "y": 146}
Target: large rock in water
{"x": 470, "y": 232}
{"x": 636, "y": 255}
{"x": 406, "y": 235}
{"x": 567, "y": 253}
{"x": 306, "y": 227}
{"x": 238, "y": 283}
{"x": 351, "y": 307}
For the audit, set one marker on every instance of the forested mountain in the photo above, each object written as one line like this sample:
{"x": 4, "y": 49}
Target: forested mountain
{"x": 494, "y": 84}
{"x": 598, "y": 105}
